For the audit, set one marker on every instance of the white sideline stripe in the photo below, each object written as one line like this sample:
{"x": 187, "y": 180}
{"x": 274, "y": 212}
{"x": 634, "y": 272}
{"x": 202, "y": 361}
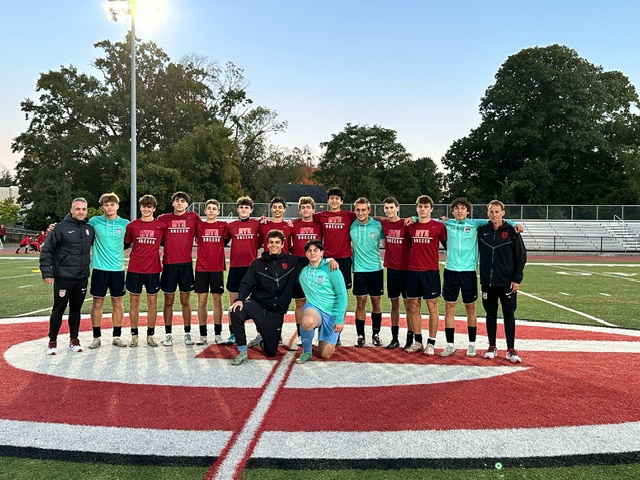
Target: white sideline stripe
{"x": 19, "y": 276}
{"x": 527, "y": 442}
{"x": 228, "y": 468}
{"x": 586, "y": 315}
{"x": 116, "y": 440}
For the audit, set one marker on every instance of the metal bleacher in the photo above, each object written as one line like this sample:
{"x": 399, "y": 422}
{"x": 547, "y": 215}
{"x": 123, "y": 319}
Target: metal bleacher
{"x": 581, "y": 236}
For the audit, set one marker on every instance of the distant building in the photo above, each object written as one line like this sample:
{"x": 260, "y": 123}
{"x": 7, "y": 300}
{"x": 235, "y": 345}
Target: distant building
{"x": 6, "y": 192}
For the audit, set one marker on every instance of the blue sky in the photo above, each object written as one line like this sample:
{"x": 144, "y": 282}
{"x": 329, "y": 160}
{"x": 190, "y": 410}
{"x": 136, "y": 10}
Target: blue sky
{"x": 415, "y": 66}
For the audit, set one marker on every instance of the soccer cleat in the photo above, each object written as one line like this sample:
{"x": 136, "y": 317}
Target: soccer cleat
{"x": 168, "y": 340}
{"x": 201, "y": 341}
{"x": 151, "y": 341}
{"x": 415, "y": 348}
{"x": 218, "y": 339}
{"x": 305, "y": 357}
{"x": 407, "y": 344}
{"x": 448, "y": 351}
{"x": 513, "y": 356}
{"x": 255, "y": 342}
{"x": 393, "y": 344}
{"x": 134, "y": 341}
{"x": 375, "y": 339}
{"x": 187, "y": 339}
{"x": 75, "y": 346}
{"x": 95, "y": 343}
{"x": 117, "y": 341}
{"x": 429, "y": 351}
{"x": 231, "y": 340}
{"x": 361, "y": 341}
{"x": 491, "y": 353}
{"x": 240, "y": 359}
{"x": 471, "y": 351}
{"x": 52, "y": 348}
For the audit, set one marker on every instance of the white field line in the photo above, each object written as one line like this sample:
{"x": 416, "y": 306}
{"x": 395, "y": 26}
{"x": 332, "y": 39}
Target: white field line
{"x": 586, "y": 315}
{"x": 19, "y": 276}
{"x": 233, "y": 462}
{"x": 604, "y": 274}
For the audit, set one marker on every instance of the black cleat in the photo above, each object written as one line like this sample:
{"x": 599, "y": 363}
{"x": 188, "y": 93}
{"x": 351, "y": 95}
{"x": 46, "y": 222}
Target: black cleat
{"x": 361, "y": 342}
{"x": 376, "y": 340}
{"x": 393, "y": 344}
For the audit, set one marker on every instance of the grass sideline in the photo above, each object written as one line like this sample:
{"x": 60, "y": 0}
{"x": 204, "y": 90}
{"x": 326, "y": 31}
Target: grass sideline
{"x": 568, "y": 293}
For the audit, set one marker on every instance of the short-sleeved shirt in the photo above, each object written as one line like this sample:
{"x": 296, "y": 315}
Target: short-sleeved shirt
{"x": 425, "y": 245}
{"x": 108, "y": 247}
{"x": 283, "y": 227}
{"x": 210, "y": 238}
{"x": 365, "y": 241}
{"x": 178, "y": 242}
{"x": 397, "y": 244}
{"x": 146, "y": 238}
{"x": 245, "y": 242}
{"x": 302, "y": 233}
{"x": 335, "y": 232}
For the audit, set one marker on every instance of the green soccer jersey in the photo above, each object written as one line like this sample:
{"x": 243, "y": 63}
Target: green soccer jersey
{"x": 108, "y": 247}
{"x": 325, "y": 289}
{"x": 365, "y": 241}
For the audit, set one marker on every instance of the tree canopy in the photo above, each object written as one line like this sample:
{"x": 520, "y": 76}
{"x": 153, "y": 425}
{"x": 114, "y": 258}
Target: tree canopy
{"x": 555, "y": 129}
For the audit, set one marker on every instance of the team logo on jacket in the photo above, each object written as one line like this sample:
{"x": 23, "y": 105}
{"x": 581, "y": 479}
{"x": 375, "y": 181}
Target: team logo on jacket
{"x": 372, "y": 234}
{"x": 504, "y": 235}
{"x": 320, "y": 279}
{"x": 285, "y": 266}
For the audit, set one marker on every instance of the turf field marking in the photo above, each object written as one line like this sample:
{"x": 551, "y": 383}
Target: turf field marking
{"x": 605, "y": 294}
{"x": 237, "y": 453}
{"x": 586, "y": 315}
{"x": 18, "y": 276}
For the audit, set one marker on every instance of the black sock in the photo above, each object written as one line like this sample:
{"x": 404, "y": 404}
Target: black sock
{"x": 409, "y": 336}
{"x": 394, "y": 333}
{"x": 217, "y": 328}
{"x": 431, "y": 341}
{"x": 117, "y": 331}
{"x": 298, "y": 328}
{"x": 96, "y": 332}
{"x": 472, "y": 334}
{"x": 134, "y": 331}
{"x": 418, "y": 337}
{"x": 449, "y": 333}
{"x": 376, "y": 322}
{"x": 151, "y": 332}
{"x": 203, "y": 330}
{"x": 167, "y": 329}
{"x": 187, "y": 329}
{"x": 360, "y": 327}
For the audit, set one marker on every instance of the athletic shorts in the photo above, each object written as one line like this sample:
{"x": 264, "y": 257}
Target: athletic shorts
{"x": 103, "y": 280}
{"x": 455, "y": 282}
{"x": 235, "y": 278}
{"x": 396, "y": 283}
{"x": 345, "y": 269}
{"x": 298, "y": 292}
{"x": 368, "y": 283}
{"x": 326, "y": 332}
{"x": 150, "y": 281}
{"x": 209, "y": 282}
{"x": 177, "y": 275}
{"x": 423, "y": 284}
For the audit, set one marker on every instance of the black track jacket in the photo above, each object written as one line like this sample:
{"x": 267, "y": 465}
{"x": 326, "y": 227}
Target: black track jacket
{"x": 502, "y": 255}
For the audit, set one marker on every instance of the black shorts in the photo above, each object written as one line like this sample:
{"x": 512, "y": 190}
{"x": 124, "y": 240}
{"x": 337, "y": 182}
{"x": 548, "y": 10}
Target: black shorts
{"x": 178, "y": 275}
{"x": 235, "y": 278}
{"x": 423, "y": 284}
{"x": 150, "y": 281}
{"x": 368, "y": 283}
{"x": 396, "y": 283}
{"x": 345, "y": 269}
{"x": 209, "y": 282}
{"x": 454, "y": 282}
{"x": 103, "y": 280}
{"x": 298, "y": 292}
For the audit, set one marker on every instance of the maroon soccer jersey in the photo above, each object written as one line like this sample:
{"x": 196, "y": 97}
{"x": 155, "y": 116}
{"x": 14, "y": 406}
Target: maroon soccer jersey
{"x": 210, "y": 238}
{"x": 283, "y": 227}
{"x": 302, "y": 233}
{"x": 145, "y": 238}
{"x": 178, "y": 243}
{"x": 335, "y": 232}
{"x": 425, "y": 243}
{"x": 397, "y": 245}
{"x": 245, "y": 242}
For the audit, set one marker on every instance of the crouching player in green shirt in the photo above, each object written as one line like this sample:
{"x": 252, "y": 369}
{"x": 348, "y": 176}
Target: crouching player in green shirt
{"x": 326, "y": 305}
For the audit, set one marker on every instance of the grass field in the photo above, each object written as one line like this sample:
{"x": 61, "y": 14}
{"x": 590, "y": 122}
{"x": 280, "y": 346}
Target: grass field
{"x": 598, "y": 291}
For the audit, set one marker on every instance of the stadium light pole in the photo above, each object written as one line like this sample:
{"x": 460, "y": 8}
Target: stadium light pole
{"x": 116, "y": 9}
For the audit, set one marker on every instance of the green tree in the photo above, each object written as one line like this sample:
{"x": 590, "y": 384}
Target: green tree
{"x": 366, "y": 161}
{"x": 9, "y": 211}
{"x": 6, "y": 179}
{"x": 554, "y": 129}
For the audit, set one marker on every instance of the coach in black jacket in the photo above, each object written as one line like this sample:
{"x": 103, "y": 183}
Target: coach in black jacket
{"x": 502, "y": 259}
{"x": 264, "y": 296}
{"x": 64, "y": 262}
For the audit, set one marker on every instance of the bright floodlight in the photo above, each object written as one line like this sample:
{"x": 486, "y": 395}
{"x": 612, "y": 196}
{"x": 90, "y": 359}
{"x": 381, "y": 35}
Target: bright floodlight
{"x": 148, "y": 13}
